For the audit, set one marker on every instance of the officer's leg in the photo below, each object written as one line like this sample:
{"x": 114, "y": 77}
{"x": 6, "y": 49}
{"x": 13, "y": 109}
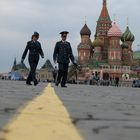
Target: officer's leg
{"x": 34, "y": 73}
{"x": 64, "y": 76}
{"x": 29, "y": 79}
{"x": 60, "y": 72}
{"x": 55, "y": 78}
{"x": 33, "y": 66}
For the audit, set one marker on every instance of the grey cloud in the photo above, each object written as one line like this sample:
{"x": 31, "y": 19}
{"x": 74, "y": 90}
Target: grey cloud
{"x": 19, "y": 19}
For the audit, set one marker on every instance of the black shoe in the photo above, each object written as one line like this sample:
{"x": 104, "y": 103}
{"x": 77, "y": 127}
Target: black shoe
{"x": 29, "y": 84}
{"x": 63, "y": 86}
{"x": 56, "y": 84}
{"x": 35, "y": 83}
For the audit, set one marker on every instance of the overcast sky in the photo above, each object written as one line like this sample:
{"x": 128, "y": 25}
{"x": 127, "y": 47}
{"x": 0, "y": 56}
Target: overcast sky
{"x": 20, "y": 18}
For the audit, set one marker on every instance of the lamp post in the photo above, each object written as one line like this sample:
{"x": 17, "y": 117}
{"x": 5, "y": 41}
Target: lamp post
{"x": 138, "y": 57}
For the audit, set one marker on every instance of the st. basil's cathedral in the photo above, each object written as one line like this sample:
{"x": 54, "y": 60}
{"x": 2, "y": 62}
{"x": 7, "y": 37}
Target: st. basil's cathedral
{"x": 110, "y": 54}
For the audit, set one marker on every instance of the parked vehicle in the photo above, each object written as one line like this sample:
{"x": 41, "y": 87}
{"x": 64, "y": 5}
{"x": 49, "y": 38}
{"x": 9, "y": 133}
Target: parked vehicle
{"x": 136, "y": 83}
{"x": 16, "y": 76}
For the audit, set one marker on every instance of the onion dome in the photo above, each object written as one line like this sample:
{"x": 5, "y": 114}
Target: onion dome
{"x": 85, "y": 30}
{"x": 114, "y": 31}
{"x": 98, "y": 42}
{"x": 124, "y": 45}
{"x": 127, "y": 36}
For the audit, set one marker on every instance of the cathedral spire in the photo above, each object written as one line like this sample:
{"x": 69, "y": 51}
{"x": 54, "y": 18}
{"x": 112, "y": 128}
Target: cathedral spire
{"x": 104, "y": 2}
{"x": 15, "y": 62}
{"x": 127, "y": 24}
{"x": 14, "y": 65}
{"x": 104, "y": 22}
{"x": 85, "y": 19}
{"x": 104, "y": 12}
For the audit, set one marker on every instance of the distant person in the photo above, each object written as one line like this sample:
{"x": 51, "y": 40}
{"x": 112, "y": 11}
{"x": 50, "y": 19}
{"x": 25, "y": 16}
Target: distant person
{"x": 111, "y": 81}
{"x": 35, "y": 50}
{"x": 91, "y": 78}
{"x": 62, "y": 55}
{"x": 134, "y": 82}
{"x": 97, "y": 78}
{"x": 116, "y": 81}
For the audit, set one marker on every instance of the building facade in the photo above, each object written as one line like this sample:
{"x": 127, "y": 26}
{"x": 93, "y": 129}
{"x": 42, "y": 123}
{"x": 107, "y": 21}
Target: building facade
{"x": 110, "y": 54}
{"x": 46, "y": 72}
{"x": 19, "y": 71}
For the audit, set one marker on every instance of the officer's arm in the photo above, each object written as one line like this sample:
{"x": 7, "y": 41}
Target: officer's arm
{"x": 71, "y": 55}
{"x": 25, "y": 52}
{"x": 41, "y": 51}
{"x": 55, "y": 53}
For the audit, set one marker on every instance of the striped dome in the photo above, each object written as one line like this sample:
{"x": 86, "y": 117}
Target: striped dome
{"x": 127, "y": 36}
{"x": 114, "y": 31}
{"x": 125, "y": 45}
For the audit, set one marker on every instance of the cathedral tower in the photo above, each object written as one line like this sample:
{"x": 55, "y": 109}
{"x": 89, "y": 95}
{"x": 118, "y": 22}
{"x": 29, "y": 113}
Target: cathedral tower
{"x": 104, "y": 23}
{"x": 127, "y": 39}
{"x": 114, "y": 50}
{"x": 85, "y": 47}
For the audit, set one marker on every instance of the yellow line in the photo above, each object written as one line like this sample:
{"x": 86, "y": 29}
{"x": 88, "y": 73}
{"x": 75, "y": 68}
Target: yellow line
{"x": 44, "y": 118}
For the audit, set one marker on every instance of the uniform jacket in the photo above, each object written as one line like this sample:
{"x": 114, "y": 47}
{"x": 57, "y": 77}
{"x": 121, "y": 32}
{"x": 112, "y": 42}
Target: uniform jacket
{"x": 34, "y": 49}
{"x": 63, "y": 52}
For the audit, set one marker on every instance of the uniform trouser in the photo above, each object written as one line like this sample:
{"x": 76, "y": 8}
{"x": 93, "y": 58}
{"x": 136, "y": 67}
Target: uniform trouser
{"x": 62, "y": 73}
{"x": 33, "y": 62}
{"x": 54, "y": 77}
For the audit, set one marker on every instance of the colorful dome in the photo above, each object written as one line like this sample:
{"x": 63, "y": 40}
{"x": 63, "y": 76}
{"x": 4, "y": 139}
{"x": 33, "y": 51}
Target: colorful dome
{"x": 127, "y": 36}
{"x": 115, "y": 31}
{"x": 125, "y": 45}
{"x": 85, "y": 30}
{"x": 98, "y": 42}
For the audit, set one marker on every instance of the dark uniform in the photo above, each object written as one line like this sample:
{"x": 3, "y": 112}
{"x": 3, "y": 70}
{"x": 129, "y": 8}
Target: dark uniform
{"x": 35, "y": 51}
{"x": 117, "y": 81}
{"x": 63, "y": 54}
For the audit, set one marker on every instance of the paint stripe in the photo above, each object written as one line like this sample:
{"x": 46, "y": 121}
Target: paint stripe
{"x": 44, "y": 118}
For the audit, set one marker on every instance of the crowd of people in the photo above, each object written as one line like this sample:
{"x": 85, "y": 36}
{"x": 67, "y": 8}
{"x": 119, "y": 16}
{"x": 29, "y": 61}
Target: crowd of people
{"x": 94, "y": 79}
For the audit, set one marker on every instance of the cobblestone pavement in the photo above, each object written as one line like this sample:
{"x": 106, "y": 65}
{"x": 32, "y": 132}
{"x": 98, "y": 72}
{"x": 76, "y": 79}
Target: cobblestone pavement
{"x": 103, "y": 113}
{"x": 14, "y": 95}
{"x": 99, "y": 113}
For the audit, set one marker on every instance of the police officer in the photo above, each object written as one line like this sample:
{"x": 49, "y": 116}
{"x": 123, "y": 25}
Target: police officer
{"x": 35, "y": 51}
{"x": 62, "y": 55}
